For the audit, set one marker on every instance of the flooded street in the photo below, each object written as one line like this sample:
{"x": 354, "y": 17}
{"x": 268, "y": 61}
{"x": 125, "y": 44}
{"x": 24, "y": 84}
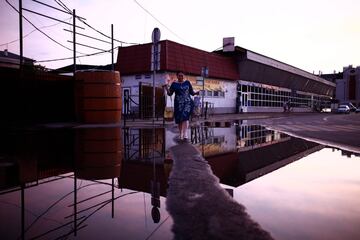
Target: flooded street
{"x": 87, "y": 183}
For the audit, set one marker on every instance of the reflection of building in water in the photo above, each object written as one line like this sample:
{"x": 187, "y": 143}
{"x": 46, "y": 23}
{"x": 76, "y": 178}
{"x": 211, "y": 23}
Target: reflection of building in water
{"x": 239, "y": 167}
{"x": 240, "y": 153}
{"x": 254, "y": 136}
{"x": 139, "y": 175}
{"x": 346, "y": 153}
{"x": 138, "y": 144}
{"x": 92, "y": 154}
{"x": 143, "y": 167}
{"x": 229, "y": 138}
{"x": 213, "y": 140}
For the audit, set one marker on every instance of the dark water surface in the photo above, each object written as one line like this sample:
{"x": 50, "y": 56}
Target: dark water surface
{"x": 112, "y": 183}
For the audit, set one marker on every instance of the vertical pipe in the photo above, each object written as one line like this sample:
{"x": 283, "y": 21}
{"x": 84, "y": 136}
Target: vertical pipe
{"x": 22, "y": 211}
{"x": 74, "y": 41}
{"x": 112, "y": 198}
{"x": 21, "y": 35}
{"x": 21, "y": 67}
{"x": 202, "y": 97}
{"x": 206, "y": 109}
{"x": 141, "y": 105}
{"x": 125, "y": 109}
{"x": 75, "y": 203}
{"x": 112, "y": 47}
{"x": 154, "y": 75}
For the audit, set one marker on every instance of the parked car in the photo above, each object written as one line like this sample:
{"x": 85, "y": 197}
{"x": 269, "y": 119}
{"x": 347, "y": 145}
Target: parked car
{"x": 343, "y": 109}
{"x": 350, "y": 105}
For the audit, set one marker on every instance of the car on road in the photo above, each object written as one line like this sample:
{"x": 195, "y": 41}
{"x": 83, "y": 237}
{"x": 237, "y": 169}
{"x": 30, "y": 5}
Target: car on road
{"x": 326, "y": 110}
{"x": 357, "y": 110}
{"x": 350, "y": 105}
{"x": 343, "y": 109}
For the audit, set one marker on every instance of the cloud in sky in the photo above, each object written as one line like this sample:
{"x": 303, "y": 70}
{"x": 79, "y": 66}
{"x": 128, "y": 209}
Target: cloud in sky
{"x": 312, "y": 35}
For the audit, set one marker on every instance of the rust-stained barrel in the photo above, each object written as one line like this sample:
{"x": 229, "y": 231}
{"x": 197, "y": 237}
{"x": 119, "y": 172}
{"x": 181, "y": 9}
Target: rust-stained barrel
{"x": 98, "y": 97}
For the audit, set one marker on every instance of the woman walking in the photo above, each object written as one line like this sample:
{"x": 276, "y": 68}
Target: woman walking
{"x": 183, "y": 104}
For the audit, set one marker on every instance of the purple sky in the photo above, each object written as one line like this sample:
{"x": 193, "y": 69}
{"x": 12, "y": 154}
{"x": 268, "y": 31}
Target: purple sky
{"x": 311, "y": 35}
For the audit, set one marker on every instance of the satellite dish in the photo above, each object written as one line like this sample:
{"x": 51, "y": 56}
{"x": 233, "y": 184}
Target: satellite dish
{"x": 155, "y": 37}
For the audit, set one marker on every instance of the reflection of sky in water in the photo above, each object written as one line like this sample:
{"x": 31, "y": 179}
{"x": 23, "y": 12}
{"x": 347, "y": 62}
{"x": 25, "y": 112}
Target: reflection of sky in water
{"x": 132, "y": 219}
{"x": 314, "y": 198}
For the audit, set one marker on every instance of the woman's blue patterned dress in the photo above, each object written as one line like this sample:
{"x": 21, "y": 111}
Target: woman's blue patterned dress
{"x": 183, "y": 104}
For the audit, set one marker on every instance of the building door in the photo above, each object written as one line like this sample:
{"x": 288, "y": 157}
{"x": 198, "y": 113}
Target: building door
{"x": 146, "y": 101}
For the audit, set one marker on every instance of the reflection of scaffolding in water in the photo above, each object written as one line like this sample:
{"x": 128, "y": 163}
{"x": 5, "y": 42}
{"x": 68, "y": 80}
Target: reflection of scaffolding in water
{"x": 144, "y": 145}
{"x": 147, "y": 146}
{"x": 74, "y": 222}
{"x": 201, "y": 134}
{"x": 255, "y": 136}
{"x": 205, "y": 140}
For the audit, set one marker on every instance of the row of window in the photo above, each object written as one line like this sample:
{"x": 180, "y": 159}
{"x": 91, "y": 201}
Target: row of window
{"x": 139, "y": 76}
{"x": 255, "y": 135}
{"x": 265, "y": 97}
{"x": 213, "y": 93}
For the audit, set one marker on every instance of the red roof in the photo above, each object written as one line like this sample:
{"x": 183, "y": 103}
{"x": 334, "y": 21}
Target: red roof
{"x": 176, "y": 57}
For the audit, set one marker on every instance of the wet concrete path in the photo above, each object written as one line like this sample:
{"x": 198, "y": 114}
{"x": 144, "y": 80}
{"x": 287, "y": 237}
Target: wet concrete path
{"x": 200, "y": 208}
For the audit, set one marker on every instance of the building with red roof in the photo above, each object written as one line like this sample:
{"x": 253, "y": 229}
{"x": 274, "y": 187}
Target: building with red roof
{"x": 239, "y": 80}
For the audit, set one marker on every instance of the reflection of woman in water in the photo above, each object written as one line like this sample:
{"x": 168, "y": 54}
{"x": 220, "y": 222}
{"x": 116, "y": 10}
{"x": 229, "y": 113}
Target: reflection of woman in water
{"x": 183, "y": 104}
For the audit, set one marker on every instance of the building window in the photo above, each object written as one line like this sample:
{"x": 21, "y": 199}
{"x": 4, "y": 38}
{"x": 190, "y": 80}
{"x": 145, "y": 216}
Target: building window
{"x": 244, "y": 88}
{"x": 138, "y": 76}
{"x": 147, "y": 75}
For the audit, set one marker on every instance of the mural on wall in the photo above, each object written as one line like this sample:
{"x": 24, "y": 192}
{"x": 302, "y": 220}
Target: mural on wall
{"x": 196, "y": 82}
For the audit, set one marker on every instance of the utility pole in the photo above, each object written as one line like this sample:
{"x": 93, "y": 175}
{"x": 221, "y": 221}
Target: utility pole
{"x": 112, "y": 47}
{"x": 155, "y": 65}
{"x": 74, "y": 41}
{"x": 21, "y": 36}
{"x": 204, "y": 74}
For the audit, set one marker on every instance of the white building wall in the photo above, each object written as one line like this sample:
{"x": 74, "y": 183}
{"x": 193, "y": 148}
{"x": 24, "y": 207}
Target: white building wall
{"x": 221, "y": 104}
{"x": 229, "y": 134}
{"x": 225, "y": 104}
{"x": 131, "y": 83}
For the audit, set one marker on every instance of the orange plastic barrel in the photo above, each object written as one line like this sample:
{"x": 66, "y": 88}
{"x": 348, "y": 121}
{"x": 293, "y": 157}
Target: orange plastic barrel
{"x": 98, "y": 96}
{"x": 98, "y": 153}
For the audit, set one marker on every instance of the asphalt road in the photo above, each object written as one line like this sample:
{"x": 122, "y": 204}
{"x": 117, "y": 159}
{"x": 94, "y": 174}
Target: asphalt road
{"x": 336, "y": 130}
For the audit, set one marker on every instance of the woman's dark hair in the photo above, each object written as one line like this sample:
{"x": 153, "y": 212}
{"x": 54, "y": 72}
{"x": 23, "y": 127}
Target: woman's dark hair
{"x": 178, "y": 72}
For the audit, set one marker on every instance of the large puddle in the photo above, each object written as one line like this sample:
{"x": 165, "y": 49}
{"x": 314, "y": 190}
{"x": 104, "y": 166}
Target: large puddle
{"x": 112, "y": 183}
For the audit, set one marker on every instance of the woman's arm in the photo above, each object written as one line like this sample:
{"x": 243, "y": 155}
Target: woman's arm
{"x": 168, "y": 91}
{"x": 191, "y": 90}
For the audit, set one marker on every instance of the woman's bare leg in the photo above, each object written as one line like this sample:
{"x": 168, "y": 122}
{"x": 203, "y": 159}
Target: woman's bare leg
{"x": 180, "y": 130}
{"x": 185, "y": 129}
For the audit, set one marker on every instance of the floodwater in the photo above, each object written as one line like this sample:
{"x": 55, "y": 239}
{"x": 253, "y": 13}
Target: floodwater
{"x": 92, "y": 183}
